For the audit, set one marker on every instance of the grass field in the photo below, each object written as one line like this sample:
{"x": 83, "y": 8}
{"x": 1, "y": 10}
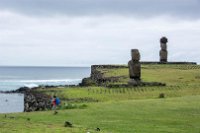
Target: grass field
{"x": 121, "y": 110}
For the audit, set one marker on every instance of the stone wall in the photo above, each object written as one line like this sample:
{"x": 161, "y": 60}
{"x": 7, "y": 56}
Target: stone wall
{"x": 97, "y": 76}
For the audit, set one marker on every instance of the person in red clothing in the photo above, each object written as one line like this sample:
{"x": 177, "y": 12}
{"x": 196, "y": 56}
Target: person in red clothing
{"x": 53, "y": 102}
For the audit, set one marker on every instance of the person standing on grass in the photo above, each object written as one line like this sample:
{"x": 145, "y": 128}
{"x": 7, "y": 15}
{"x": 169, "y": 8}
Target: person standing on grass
{"x": 53, "y": 102}
{"x": 57, "y": 101}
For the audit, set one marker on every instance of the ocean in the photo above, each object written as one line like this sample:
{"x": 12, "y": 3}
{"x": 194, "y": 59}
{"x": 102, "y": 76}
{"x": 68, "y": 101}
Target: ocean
{"x": 12, "y": 78}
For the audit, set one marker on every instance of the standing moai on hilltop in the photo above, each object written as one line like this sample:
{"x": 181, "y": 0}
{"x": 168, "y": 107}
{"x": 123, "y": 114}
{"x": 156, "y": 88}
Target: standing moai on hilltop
{"x": 134, "y": 68}
{"x": 163, "y": 51}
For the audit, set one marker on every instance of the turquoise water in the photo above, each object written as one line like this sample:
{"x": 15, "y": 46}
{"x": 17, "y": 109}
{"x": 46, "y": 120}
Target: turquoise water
{"x": 12, "y": 78}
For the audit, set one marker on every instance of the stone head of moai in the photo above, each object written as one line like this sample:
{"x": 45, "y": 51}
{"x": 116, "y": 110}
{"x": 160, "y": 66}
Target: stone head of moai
{"x": 163, "y": 43}
{"x": 134, "y": 67}
{"x": 164, "y": 40}
{"x": 163, "y": 51}
{"x": 135, "y": 54}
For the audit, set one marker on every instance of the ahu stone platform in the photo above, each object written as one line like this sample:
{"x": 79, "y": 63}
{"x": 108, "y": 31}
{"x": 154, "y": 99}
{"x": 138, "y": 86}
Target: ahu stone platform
{"x": 94, "y": 67}
{"x": 175, "y": 63}
{"x": 97, "y": 77}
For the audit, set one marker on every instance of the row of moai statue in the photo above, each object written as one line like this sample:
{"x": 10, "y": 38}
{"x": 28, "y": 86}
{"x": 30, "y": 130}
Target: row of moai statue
{"x": 135, "y": 65}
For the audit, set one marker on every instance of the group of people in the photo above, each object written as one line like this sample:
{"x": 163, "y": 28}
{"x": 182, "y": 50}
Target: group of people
{"x": 55, "y": 102}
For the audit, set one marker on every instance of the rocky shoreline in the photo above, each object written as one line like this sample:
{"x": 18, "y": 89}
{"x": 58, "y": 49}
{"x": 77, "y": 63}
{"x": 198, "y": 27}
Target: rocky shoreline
{"x": 33, "y": 100}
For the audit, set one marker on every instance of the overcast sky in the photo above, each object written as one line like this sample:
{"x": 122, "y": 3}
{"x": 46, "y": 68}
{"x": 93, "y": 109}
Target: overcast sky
{"x": 86, "y": 32}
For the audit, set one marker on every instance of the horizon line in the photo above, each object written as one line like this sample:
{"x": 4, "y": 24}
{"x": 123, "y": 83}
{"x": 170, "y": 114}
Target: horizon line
{"x": 38, "y": 66}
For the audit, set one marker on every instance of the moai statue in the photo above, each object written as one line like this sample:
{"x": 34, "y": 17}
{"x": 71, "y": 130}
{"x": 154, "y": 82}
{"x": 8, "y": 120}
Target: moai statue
{"x": 163, "y": 51}
{"x": 134, "y": 68}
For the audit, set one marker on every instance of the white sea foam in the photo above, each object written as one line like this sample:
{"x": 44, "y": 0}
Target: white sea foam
{"x": 31, "y": 85}
{"x": 36, "y": 83}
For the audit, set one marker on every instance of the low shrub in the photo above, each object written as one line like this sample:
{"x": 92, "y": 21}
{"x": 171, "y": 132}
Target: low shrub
{"x": 161, "y": 95}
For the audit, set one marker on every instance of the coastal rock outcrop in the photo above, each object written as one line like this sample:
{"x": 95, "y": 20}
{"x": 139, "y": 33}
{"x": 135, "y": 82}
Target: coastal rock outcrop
{"x": 33, "y": 100}
{"x": 36, "y": 101}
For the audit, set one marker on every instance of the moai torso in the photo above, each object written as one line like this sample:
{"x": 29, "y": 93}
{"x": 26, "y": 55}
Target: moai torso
{"x": 134, "y": 65}
{"x": 163, "y": 56}
{"x": 163, "y": 51}
{"x": 134, "y": 69}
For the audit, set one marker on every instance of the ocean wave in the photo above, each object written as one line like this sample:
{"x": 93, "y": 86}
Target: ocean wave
{"x": 31, "y": 85}
{"x": 15, "y": 84}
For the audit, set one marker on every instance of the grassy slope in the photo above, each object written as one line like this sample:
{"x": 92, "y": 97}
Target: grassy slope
{"x": 123, "y": 110}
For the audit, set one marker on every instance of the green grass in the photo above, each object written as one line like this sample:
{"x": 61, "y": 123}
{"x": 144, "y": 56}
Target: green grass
{"x": 100, "y": 94}
{"x": 175, "y": 115}
{"x": 121, "y": 110}
{"x": 172, "y": 75}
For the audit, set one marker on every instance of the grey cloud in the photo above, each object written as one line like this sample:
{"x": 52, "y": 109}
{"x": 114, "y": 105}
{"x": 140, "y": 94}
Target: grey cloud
{"x": 72, "y": 41}
{"x": 140, "y": 8}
